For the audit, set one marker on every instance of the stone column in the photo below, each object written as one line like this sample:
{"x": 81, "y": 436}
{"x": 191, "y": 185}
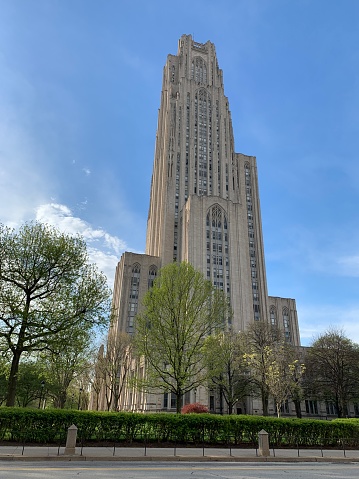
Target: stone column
{"x": 263, "y": 443}
{"x": 71, "y": 440}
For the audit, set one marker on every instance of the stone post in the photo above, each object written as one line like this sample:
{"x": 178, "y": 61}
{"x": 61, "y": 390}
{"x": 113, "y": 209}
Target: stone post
{"x": 71, "y": 440}
{"x": 263, "y": 443}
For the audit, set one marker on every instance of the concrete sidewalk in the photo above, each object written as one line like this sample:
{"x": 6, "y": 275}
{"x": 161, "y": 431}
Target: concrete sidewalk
{"x": 52, "y": 453}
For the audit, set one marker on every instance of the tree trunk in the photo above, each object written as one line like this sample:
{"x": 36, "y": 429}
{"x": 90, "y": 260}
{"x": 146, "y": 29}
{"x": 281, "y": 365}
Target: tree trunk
{"x": 11, "y": 391}
{"x": 220, "y": 400}
{"x": 339, "y": 408}
{"x": 298, "y": 409}
{"x": 179, "y": 396}
{"x": 264, "y": 402}
{"x": 62, "y": 399}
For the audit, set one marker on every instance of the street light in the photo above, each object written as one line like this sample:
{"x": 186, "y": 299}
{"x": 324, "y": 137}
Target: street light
{"x": 42, "y": 384}
{"x": 79, "y": 403}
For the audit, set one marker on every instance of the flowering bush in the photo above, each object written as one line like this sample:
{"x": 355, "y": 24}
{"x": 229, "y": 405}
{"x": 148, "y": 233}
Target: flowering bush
{"x": 194, "y": 408}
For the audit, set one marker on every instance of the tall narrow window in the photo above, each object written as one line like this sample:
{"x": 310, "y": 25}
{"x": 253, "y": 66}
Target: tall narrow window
{"x": 252, "y": 243}
{"x": 286, "y": 325}
{"x": 133, "y": 299}
{"x": 217, "y": 248}
{"x": 273, "y": 316}
{"x": 199, "y": 70}
{"x": 202, "y": 143}
{"x": 152, "y": 273}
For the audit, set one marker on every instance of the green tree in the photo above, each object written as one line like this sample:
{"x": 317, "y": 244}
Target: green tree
{"x": 227, "y": 367}
{"x": 332, "y": 370}
{"x": 180, "y": 311}
{"x": 47, "y": 287}
{"x": 31, "y": 384}
{"x": 64, "y": 366}
{"x": 4, "y": 372}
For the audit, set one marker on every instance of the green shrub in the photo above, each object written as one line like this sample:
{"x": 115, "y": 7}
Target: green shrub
{"x": 50, "y": 426}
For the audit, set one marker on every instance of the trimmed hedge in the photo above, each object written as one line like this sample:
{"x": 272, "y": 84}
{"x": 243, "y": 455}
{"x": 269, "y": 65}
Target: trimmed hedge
{"x": 50, "y": 426}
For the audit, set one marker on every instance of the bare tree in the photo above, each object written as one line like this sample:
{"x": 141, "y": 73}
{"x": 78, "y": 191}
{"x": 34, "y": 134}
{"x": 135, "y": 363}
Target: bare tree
{"x": 283, "y": 374}
{"x": 112, "y": 367}
{"x": 261, "y": 338}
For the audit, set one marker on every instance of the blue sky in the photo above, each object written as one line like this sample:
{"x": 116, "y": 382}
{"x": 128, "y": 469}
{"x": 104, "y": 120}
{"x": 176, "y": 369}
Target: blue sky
{"x": 80, "y": 84}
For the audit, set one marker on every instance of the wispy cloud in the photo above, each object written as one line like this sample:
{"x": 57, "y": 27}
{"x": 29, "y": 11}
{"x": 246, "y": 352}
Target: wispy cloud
{"x": 349, "y": 265}
{"x": 21, "y": 183}
{"x": 325, "y": 251}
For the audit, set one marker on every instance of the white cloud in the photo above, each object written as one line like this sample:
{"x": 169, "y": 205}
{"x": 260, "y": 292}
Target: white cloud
{"x": 316, "y": 319}
{"x": 103, "y": 248}
{"x": 86, "y": 171}
{"x": 106, "y": 262}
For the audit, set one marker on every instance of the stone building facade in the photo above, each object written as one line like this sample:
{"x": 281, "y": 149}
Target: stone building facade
{"x": 204, "y": 207}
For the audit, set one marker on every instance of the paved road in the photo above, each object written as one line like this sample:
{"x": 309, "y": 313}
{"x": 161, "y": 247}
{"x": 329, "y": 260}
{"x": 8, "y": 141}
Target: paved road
{"x": 157, "y": 470}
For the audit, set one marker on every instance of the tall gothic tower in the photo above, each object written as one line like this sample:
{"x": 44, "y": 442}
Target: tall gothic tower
{"x": 204, "y": 202}
{"x": 204, "y": 205}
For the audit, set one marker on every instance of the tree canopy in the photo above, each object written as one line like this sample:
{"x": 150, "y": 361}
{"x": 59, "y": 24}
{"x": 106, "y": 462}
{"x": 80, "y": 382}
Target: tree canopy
{"x": 47, "y": 287}
{"x": 227, "y": 367}
{"x": 260, "y": 338}
{"x": 180, "y": 311}
{"x": 332, "y": 370}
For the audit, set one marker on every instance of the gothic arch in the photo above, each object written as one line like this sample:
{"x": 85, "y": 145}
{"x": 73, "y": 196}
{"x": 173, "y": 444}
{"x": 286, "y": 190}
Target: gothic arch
{"x": 136, "y": 268}
{"x": 217, "y": 248}
{"x": 273, "y": 315}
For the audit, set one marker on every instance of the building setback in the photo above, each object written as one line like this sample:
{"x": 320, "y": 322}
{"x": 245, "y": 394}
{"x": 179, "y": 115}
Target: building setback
{"x": 204, "y": 204}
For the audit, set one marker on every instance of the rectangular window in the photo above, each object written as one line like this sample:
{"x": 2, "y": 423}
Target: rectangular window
{"x": 311, "y": 406}
{"x": 331, "y": 409}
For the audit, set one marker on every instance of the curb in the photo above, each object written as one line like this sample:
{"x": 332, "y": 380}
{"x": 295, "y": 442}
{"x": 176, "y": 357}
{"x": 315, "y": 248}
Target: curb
{"x": 78, "y": 458}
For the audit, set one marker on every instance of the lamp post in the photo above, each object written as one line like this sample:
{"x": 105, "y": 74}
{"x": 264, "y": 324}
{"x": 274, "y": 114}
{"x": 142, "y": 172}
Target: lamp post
{"x": 42, "y": 385}
{"x": 79, "y": 403}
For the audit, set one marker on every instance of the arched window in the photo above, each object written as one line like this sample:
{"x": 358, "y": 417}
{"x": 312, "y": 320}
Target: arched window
{"x": 217, "y": 248}
{"x": 273, "y": 316}
{"x": 133, "y": 299}
{"x": 152, "y": 273}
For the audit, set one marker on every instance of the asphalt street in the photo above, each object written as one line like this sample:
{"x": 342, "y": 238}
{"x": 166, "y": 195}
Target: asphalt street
{"x": 157, "y": 470}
